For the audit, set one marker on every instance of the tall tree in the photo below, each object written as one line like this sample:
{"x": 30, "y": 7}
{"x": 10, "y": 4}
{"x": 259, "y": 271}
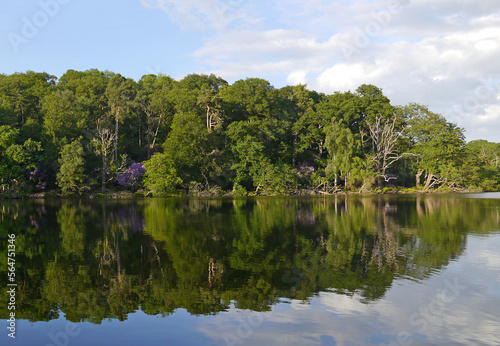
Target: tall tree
{"x": 62, "y": 116}
{"x": 154, "y": 99}
{"x": 384, "y": 138}
{"x": 102, "y": 143}
{"x": 438, "y": 145}
{"x": 306, "y": 125}
{"x": 345, "y": 156}
{"x": 25, "y": 91}
{"x": 120, "y": 93}
{"x": 188, "y": 145}
{"x": 210, "y": 100}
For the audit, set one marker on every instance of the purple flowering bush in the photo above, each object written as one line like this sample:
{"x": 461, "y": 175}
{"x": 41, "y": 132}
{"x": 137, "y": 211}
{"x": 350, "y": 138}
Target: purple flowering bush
{"x": 39, "y": 179}
{"x": 304, "y": 171}
{"x": 131, "y": 177}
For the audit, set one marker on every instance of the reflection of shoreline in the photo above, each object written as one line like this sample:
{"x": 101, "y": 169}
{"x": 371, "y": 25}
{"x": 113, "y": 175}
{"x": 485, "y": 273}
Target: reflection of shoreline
{"x": 495, "y": 195}
{"x": 103, "y": 259}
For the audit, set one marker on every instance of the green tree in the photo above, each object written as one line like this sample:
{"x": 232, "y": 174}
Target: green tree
{"x": 274, "y": 178}
{"x": 161, "y": 175}
{"x": 10, "y": 170}
{"x": 88, "y": 87}
{"x": 188, "y": 145}
{"x": 481, "y": 165}
{"x": 345, "y": 156}
{"x": 156, "y": 107}
{"x": 307, "y": 139}
{"x": 71, "y": 175}
{"x": 438, "y": 146}
{"x": 248, "y": 153}
{"x": 23, "y": 93}
{"x": 248, "y": 98}
{"x": 62, "y": 116}
{"x": 120, "y": 92}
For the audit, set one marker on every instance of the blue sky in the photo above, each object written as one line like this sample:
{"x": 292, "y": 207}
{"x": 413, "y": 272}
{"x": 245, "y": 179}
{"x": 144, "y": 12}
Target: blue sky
{"x": 441, "y": 53}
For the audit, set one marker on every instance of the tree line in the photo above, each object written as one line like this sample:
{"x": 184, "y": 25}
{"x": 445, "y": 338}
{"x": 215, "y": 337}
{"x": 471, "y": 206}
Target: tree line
{"x": 98, "y": 130}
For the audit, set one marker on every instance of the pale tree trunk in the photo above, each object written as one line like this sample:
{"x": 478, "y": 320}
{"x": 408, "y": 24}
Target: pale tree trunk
{"x": 156, "y": 132}
{"x": 384, "y": 138}
{"x": 209, "y": 120}
{"x": 116, "y": 134}
{"x": 417, "y": 176}
{"x": 102, "y": 146}
{"x": 103, "y": 174}
{"x": 140, "y": 135}
{"x": 149, "y": 145}
{"x": 428, "y": 181}
{"x": 294, "y": 154}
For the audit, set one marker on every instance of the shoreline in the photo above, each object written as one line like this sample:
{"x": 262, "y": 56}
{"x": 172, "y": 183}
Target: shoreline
{"x": 298, "y": 193}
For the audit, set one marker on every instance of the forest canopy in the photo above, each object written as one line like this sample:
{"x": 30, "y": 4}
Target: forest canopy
{"x": 100, "y": 131}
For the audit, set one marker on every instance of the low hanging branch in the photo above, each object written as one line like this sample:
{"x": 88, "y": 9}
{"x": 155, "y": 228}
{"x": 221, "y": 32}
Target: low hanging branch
{"x": 383, "y": 137}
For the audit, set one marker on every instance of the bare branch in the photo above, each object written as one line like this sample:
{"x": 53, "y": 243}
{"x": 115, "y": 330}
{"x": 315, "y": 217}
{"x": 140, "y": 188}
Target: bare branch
{"x": 384, "y": 138}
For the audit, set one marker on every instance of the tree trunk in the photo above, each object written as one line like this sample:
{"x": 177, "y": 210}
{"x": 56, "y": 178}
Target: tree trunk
{"x": 149, "y": 144}
{"x": 208, "y": 119}
{"x": 156, "y": 133}
{"x": 22, "y": 115}
{"x": 116, "y": 134}
{"x": 428, "y": 181}
{"x": 140, "y": 135}
{"x": 380, "y": 182}
{"x": 103, "y": 175}
{"x": 417, "y": 176}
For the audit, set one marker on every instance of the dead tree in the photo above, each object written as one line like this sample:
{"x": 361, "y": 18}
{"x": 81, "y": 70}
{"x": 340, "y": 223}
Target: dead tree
{"x": 102, "y": 145}
{"x": 383, "y": 137}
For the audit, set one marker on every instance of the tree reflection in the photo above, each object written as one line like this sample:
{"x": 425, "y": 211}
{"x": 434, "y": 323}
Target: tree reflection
{"x": 105, "y": 259}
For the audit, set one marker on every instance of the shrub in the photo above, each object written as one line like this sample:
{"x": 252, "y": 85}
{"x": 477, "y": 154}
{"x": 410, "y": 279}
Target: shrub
{"x": 161, "y": 175}
{"x": 304, "y": 171}
{"x": 71, "y": 173}
{"x": 131, "y": 177}
{"x": 239, "y": 190}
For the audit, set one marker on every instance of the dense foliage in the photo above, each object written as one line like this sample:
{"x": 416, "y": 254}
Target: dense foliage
{"x": 93, "y": 129}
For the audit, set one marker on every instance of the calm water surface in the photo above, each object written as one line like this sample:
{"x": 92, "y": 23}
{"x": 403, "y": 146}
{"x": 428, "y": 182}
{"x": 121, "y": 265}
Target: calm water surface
{"x": 384, "y": 270}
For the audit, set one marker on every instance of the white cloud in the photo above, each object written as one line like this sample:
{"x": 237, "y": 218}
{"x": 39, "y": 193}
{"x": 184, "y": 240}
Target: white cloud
{"x": 241, "y": 53}
{"x": 200, "y": 14}
{"x": 456, "y": 305}
{"x": 297, "y": 77}
{"x": 431, "y": 52}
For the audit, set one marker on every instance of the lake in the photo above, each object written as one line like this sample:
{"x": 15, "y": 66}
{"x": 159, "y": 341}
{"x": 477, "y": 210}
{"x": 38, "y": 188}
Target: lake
{"x": 377, "y": 270}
